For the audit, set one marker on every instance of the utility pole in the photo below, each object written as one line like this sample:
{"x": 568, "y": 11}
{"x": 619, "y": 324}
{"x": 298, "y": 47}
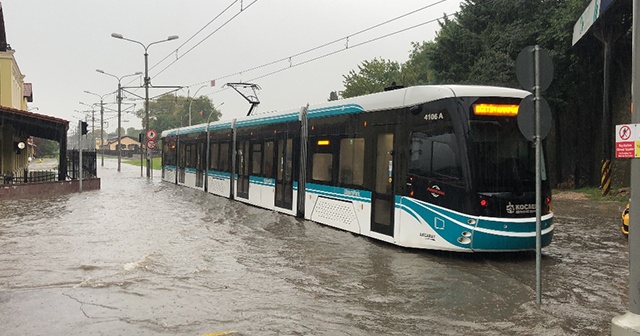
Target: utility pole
{"x": 629, "y": 323}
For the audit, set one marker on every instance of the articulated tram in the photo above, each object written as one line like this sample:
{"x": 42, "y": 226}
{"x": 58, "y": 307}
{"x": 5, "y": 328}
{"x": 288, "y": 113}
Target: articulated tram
{"x": 428, "y": 167}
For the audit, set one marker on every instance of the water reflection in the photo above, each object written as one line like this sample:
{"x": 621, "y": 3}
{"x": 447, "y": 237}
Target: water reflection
{"x": 146, "y": 257}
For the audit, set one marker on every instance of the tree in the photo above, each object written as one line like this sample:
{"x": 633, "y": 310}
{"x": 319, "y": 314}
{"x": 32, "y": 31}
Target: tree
{"x": 371, "y": 76}
{"x": 417, "y": 70}
{"x": 171, "y": 111}
{"x": 132, "y": 132}
{"x": 45, "y": 147}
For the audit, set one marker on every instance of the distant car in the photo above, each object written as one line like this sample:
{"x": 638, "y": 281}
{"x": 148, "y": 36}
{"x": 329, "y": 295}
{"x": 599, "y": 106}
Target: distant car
{"x": 625, "y": 221}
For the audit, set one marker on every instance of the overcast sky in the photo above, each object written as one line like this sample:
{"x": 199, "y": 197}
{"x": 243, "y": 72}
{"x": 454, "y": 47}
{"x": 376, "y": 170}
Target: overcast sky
{"x": 60, "y": 44}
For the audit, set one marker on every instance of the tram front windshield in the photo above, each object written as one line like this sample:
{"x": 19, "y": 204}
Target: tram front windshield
{"x": 503, "y": 160}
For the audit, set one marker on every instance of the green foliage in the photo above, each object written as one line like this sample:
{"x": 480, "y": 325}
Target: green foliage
{"x": 45, "y": 147}
{"x": 156, "y": 162}
{"x": 372, "y": 76}
{"x": 417, "y": 70}
{"x": 170, "y": 111}
{"x": 333, "y": 95}
{"x": 133, "y": 132}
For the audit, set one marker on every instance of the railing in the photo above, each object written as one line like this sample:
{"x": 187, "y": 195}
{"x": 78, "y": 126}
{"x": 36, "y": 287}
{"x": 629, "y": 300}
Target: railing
{"x": 27, "y": 176}
{"x": 89, "y": 166}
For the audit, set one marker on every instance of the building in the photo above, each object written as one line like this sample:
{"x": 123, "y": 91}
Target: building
{"x": 17, "y": 125}
{"x": 126, "y": 143}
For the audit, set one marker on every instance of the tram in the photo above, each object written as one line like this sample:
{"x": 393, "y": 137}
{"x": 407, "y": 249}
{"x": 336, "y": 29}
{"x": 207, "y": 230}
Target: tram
{"x": 430, "y": 167}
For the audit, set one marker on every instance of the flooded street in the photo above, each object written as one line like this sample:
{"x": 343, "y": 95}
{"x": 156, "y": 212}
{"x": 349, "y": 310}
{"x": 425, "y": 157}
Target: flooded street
{"x": 145, "y": 257}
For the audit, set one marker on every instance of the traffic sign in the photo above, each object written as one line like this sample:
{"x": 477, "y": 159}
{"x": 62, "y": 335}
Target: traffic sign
{"x": 526, "y": 69}
{"x": 527, "y": 118}
{"x": 627, "y": 141}
{"x": 151, "y": 134}
{"x": 151, "y": 144}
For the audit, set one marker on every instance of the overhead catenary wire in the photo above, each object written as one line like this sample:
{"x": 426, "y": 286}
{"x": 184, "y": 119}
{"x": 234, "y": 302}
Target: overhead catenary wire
{"x": 195, "y": 34}
{"x": 289, "y": 58}
{"x": 206, "y": 37}
{"x": 175, "y": 51}
{"x": 347, "y": 46}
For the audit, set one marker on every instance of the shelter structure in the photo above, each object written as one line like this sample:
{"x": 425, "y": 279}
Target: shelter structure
{"x": 18, "y": 126}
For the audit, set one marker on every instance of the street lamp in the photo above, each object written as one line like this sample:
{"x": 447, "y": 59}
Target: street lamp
{"x": 208, "y": 155}
{"x": 119, "y": 98}
{"x": 101, "y": 122}
{"x": 147, "y": 81}
{"x": 191, "y": 101}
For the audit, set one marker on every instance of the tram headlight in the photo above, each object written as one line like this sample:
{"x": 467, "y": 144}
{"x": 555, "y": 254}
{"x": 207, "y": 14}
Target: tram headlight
{"x": 484, "y": 203}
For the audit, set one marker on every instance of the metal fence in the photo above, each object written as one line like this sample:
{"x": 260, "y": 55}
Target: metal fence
{"x": 89, "y": 164}
{"x": 29, "y": 176}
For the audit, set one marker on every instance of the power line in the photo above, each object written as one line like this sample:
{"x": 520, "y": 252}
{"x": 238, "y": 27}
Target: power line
{"x": 333, "y": 42}
{"x": 206, "y": 37}
{"x": 349, "y": 47}
{"x": 196, "y": 33}
{"x": 330, "y": 53}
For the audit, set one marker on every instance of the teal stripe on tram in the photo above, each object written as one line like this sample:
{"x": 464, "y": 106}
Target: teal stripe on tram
{"x": 345, "y": 194}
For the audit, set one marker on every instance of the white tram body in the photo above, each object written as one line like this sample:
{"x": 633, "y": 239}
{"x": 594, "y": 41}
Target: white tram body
{"x": 428, "y": 167}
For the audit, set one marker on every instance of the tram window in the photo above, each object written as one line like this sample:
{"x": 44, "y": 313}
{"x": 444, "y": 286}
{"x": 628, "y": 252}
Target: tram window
{"x": 321, "y": 166}
{"x": 194, "y": 156}
{"x": 435, "y": 156}
{"x": 256, "y": 159}
{"x": 213, "y": 156}
{"x": 268, "y": 159}
{"x": 188, "y": 155}
{"x": 181, "y": 159}
{"x": 169, "y": 153}
{"x": 224, "y": 157}
{"x": 351, "y": 161}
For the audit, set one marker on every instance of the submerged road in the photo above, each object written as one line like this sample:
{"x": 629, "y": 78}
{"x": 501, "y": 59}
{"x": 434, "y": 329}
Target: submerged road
{"x": 144, "y": 257}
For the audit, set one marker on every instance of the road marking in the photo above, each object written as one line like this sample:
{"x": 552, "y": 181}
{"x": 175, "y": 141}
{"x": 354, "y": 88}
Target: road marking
{"x": 221, "y": 333}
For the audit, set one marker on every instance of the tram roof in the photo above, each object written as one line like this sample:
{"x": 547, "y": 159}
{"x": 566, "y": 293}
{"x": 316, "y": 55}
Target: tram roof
{"x": 394, "y": 99}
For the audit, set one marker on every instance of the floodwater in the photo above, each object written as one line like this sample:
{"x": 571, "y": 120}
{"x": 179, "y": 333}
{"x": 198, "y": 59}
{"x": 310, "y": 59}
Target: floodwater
{"x": 145, "y": 257}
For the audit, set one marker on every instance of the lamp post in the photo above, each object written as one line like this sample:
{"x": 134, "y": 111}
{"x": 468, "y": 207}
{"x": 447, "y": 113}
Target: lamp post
{"x": 147, "y": 81}
{"x": 208, "y": 156}
{"x": 119, "y": 98}
{"x": 191, "y": 101}
{"x": 101, "y": 123}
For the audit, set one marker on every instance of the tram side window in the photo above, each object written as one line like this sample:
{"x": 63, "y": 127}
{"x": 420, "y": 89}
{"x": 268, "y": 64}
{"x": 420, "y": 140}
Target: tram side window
{"x": 224, "y": 157}
{"x": 351, "y": 161}
{"x": 169, "y": 154}
{"x": 188, "y": 156}
{"x": 435, "y": 156}
{"x": 256, "y": 159}
{"x": 213, "y": 156}
{"x": 322, "y": 163}
{"x": 268, "y": 159}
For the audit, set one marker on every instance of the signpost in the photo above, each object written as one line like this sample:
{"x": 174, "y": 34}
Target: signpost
{"x": 151, "y": 142}
{"x": 534, "y": 71}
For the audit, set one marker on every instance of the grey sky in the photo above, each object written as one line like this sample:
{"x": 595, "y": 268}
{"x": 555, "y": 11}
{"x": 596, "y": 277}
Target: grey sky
{"x": 60, "y": 44}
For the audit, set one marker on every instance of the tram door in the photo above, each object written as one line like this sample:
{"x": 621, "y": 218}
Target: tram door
{"x": 243, "y": 168}
{"x": 383, "y": 200}
{"x": 284, "y": 172}
{"x": 199, "y": 165}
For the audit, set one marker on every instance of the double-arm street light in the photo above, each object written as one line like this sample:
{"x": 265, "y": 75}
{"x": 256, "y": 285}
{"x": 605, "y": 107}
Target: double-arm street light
{"x": 119, "y": 98}
{"x": 147, "y": 81}
{"x": 101, "y": 122}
